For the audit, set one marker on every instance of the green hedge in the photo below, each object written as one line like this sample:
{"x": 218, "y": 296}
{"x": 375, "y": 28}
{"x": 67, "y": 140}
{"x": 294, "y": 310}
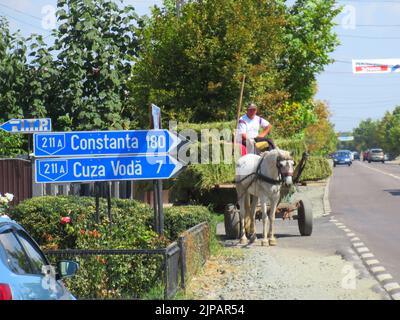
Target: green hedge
{"x": 106, "y": 276}
{"x": 196, "y": 183}
{"x": 317, "y": 168}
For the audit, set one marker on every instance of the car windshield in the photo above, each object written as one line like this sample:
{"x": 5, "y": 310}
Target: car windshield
{"x": 343, "y": 154}
{"x": 376, "y": 150}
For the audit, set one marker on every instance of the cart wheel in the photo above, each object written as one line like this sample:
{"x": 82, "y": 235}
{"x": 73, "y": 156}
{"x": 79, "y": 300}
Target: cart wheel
{"x": 305, "y": 217}
{"x": 232, "y": 221}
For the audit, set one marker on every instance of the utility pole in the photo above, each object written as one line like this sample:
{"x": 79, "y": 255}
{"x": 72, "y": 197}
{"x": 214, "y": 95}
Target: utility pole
{"x": 179, "y": 5}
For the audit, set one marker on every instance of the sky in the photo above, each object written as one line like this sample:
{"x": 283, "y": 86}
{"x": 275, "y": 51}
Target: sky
{"x": 366, "y": 29}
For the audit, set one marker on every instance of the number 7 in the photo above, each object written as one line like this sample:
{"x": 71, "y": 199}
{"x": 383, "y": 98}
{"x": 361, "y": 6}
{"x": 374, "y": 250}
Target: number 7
{"x": 160, "y": 163}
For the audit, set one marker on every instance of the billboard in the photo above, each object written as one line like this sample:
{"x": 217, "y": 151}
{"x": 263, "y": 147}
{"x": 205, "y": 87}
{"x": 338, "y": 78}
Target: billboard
{"x": 376, "y": 66}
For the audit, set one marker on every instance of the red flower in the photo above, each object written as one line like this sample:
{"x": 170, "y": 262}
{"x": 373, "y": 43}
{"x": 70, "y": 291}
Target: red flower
{"x": 65, "y": 220}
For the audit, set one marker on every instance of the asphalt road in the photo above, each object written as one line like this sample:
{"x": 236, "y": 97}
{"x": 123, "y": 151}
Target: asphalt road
{"x": 366, "y": 198}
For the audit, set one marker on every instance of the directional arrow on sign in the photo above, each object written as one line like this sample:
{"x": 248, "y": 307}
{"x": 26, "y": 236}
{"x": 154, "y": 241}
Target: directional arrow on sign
{"x": 27, "y": 125}
{"x": 105, "y": 143}
{"x": 106, "y": 168}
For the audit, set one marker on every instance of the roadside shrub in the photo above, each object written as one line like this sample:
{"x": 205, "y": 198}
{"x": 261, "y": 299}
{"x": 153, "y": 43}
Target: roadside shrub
{"x": 181, "y": 218}
{"x": 68, "y": 222}
{"x": 317, "y": 168}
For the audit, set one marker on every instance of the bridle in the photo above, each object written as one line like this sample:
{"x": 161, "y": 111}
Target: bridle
{"x": 259, "y": 175}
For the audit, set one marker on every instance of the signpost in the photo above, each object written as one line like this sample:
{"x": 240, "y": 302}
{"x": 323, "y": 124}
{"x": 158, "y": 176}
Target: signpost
{"x": 91, "y": 169}
{"x": 104, "y": 143}
{"x": 94, "y": 156}
{"x": 155, "y": 123}
{"x": 344, "y": 138}
{"x": 27, "y": 125}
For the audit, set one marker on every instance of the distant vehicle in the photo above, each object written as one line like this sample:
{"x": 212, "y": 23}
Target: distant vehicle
{"x": 376, "y": 155}
{"x": 342, "y": 157}
{"x": 351, "y": 153}
{"x": 356, "y": 155}
{"x": 386, "y": 157}
{"x": 25, "y": 271}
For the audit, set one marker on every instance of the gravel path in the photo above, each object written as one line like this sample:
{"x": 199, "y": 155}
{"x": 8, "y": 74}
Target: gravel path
{"x": 322, "y": 266}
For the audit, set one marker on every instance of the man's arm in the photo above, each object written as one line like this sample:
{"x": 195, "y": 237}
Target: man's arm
{"x": 266, "y": 130}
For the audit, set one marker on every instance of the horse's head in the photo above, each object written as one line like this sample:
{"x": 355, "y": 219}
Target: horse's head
{"x": 285, "y": 165}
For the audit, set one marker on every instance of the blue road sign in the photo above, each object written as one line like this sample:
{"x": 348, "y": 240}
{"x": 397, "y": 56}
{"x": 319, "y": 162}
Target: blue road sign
{"x": 27, "y": 125}
{"x": 104, "y": 143}
{"x": 106, "y": 168}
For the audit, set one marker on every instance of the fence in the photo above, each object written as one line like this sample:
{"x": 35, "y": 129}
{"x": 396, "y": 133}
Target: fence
{"x": 16, "y": 178}
{"x": 127, "y": 274}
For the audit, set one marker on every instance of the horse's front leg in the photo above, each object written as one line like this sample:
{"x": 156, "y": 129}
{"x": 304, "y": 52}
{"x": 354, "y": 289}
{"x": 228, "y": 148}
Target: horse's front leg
{"x": 271, "y": 233}
{"x": 264, "y": 240}
{"x": 253, "y": 232}
{"x": 242, "y": 204}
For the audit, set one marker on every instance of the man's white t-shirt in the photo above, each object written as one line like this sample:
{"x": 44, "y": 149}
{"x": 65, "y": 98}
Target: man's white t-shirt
{"x": 250, "y": 126}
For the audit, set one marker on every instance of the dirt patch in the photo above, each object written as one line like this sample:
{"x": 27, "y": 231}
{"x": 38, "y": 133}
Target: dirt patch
{"x": 273, "y": 273}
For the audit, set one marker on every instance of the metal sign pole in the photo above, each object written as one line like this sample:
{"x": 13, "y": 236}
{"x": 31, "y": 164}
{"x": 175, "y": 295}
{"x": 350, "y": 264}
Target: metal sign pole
{"x": 155, "y": 123}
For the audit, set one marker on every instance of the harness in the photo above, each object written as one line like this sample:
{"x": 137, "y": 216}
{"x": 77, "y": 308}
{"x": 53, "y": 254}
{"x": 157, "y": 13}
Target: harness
{"x": 259, "y": 175}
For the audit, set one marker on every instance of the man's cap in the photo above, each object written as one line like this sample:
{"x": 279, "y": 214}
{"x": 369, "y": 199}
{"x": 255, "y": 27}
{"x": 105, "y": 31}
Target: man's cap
{"x": 251, "y": 106}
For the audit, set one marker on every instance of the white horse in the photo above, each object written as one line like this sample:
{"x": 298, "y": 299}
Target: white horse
{"x": 261, "y": 177}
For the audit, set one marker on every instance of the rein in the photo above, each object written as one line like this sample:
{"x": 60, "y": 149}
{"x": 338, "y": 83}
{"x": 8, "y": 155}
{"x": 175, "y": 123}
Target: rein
{"x": 259, "y": 175}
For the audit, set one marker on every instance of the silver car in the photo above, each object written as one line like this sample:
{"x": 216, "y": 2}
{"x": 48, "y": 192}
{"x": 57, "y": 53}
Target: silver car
{"x": 376, "y": 155}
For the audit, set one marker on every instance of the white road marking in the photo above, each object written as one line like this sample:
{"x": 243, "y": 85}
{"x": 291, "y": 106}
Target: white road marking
{"x": 333, "y": 220}
{"x": 377, "y": 269}
{"x": 362, "y": 249}
{"x": 347, "y": 230}
{"x": 339, "y": 223}
{"x": 350, "y": 234}
{"x": 383, "y": 172}
{"x": 367, "y": 255}
{"x": 358, "y": 244}
{"x": 342, "y": 227}
{"x": 391, "y": 286}
{"x": 355, "y": 239}
{"x": 371, "y": 262}
{"x": 384, "y": 276}
{"x": 396, "y": 296}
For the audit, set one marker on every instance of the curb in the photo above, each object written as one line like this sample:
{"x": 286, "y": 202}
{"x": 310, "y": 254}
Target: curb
{"x": 327, "y": 206}
{"x": 373, "y": 265}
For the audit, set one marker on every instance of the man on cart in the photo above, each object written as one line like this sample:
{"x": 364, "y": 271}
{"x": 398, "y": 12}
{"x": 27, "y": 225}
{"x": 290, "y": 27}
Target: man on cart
{"x": 249, "y": 135}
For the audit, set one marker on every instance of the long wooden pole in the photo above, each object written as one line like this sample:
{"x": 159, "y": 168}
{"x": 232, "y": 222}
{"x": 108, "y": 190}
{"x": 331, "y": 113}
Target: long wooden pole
{"x": 239, "y": 109}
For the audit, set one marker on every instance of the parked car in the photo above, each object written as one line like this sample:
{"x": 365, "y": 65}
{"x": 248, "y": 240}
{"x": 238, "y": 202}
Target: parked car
{"x": 356, "y": 155}
{"x": 342, "y": 157}
{"x": 376, "y": 155}
{"x": 25, "y": 272}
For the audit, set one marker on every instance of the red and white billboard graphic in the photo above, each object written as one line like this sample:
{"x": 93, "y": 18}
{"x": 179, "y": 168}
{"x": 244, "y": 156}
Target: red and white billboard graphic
{"x": 376, "y": 66}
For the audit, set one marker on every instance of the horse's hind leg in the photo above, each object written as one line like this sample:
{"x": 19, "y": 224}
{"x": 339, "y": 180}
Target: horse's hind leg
{"x": 242, "y": 204}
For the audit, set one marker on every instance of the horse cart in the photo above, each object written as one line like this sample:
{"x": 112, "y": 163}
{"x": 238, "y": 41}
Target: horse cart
{"x": 300, "y": 210}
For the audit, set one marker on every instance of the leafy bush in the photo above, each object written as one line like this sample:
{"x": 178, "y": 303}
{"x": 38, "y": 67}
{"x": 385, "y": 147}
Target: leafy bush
{"x": 206, "y": 126}
{"x": 67, "y": 222}
{"x": 317, "y": 168}
{"x": 179, "y": 219}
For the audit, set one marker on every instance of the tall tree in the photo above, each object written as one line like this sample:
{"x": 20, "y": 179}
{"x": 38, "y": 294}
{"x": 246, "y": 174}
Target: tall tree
{"x": 320, "y": 137}
{"x": 94, "y": 42}
{"x": 192, "y": 64}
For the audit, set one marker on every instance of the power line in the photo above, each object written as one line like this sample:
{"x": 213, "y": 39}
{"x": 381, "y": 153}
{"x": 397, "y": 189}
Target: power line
{"x": 21, "y": 12}
{"x": 369, "y": 37}
{"x": 23, "y": 21}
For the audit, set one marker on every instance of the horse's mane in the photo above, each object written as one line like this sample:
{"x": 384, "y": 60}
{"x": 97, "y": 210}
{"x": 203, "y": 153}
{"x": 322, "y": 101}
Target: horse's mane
{"x": 274, "y": 154}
